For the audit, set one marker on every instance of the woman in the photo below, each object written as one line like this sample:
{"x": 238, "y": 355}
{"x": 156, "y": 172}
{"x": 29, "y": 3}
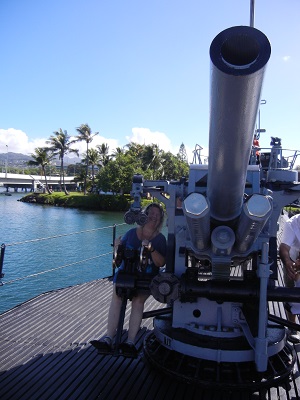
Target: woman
{"x": 148, "y": 235}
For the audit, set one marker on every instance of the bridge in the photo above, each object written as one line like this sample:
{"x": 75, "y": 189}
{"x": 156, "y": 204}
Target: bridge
{"x": 33, "y": 182}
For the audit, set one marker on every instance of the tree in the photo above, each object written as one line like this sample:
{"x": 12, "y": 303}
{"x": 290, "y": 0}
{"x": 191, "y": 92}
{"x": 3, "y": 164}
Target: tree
{"x": 117, "y": 152}
{"x": 135, "y": 149}
{"x": 42, "y": 156}
{"x": 60, "y": 144}
{"x": 151, "y": 159}
{"x": 103, "y": 153}
{"x": 92, "y": 159}
{"x": 86, "y": 135}
{"x": 73, "y": 169}
{"x": 117, "y": 175}
{"x": 182, "y": 154}
{"x": 80, "y": 175}
{"x": 173, "y": 167}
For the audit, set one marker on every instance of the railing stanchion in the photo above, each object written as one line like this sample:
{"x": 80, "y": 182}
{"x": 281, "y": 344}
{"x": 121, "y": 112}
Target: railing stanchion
{"x": 1, "y": 261}
{"x": 113, "y": 243}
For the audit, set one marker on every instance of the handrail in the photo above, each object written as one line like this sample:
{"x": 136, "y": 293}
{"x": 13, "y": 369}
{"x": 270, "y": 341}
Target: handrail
{"x": 277, "y": 154}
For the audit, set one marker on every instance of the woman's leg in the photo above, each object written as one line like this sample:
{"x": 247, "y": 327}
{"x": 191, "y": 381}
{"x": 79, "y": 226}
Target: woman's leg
{"x": 137, "y": 309}
{"x": 113, "y": 314}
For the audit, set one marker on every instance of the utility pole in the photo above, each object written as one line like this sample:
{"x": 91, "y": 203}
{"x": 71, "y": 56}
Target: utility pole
{"x": 6, "y": 162}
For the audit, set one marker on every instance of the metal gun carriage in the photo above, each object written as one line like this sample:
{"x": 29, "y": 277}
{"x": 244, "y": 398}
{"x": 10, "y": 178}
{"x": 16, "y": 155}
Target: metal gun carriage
{"x": 221, "y": 267}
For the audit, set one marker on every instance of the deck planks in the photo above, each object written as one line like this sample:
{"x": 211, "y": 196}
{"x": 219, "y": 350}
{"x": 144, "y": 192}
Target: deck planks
{"x": 45, "y": 353}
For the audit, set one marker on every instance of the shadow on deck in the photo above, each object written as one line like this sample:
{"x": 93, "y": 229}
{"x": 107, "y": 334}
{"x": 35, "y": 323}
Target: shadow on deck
{"x": 45, "y": 354}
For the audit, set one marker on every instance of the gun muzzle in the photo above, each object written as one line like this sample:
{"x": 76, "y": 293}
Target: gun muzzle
{"x": 238, "y": 59}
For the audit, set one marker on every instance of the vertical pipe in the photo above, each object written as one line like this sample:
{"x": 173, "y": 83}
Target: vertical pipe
{"x": 252, "y": 2}
{"x": 2, "y": 259}
{"x": 113, "y": 244}
{"x": 261, "y": 342}
{"x": 6, "y": 164}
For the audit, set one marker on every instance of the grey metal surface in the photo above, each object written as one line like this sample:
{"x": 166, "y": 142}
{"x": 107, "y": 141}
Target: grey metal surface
{"x": 238, "y": 59}
{"x": 45, "y": 354}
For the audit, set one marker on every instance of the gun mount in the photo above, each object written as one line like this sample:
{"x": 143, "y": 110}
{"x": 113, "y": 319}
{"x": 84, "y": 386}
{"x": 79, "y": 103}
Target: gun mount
{"x": 222, "y": 254}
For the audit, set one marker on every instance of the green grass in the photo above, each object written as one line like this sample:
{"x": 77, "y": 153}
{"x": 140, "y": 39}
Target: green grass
{"x": 292, "y": 210}
{"x": 79, "y": 200}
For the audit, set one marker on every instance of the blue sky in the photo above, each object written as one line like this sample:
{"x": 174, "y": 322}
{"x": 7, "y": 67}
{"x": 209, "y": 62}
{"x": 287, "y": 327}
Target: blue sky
{"x": 134, "y": 70}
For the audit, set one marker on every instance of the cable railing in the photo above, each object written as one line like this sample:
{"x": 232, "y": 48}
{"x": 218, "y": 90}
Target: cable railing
{"x": 274, "y": 157}
{"x": 61, "y": 235}
{"x": 77, "y": 262}
{"x": 55, "y": 269}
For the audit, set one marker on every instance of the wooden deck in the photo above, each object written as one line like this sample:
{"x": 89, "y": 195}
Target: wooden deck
{"x": 45, "y": 354}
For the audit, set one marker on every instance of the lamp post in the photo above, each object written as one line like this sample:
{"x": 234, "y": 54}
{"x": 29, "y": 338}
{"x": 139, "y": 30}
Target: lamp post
{"x": 6, "y": 163}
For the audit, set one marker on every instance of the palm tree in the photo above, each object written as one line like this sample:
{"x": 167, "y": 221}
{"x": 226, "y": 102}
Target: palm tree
{"x": 42, "y": 157}
{"x": 85, "y": 134}
{"x": 103, "y": 153}
{"x": 60, "y": 144}
{"x": 135, "y": 149}
{"x": 117, "y": 152}
{"x": 152, "y": 160}
{"x": 92, "y": 159}
{"x": 80, "y": 175}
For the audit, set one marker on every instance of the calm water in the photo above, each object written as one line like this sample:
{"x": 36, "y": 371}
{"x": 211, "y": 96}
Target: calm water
{"x": 24, "y": 222}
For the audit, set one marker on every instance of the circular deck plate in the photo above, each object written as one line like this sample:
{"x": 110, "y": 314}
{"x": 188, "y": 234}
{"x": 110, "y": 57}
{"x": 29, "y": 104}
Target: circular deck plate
{"x": 224, "y": 375}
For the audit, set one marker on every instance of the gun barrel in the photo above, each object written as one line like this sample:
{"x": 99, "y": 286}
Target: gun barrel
{"x": 238, "y": 59}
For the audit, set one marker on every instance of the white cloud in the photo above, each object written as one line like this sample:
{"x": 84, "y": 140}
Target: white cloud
{"x": 17, "y": 141}
{"x": 146, "y": 136}
{"x": 286, "y": 58}
{"x": 97, "y": 140}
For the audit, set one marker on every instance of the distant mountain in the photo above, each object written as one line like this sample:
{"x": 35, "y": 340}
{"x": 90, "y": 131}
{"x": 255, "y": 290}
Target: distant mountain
{"x": 17, "y": 159}
{"x": 14, "y": 158}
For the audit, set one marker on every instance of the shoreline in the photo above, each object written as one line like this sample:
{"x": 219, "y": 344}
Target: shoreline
{"x": 95, "y": 202}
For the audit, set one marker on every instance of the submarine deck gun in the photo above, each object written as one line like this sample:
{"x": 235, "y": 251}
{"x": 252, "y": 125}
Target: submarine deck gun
{"x": 216, "y": 319}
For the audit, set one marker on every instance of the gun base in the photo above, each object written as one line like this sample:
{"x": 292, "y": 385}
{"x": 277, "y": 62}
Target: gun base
{"x": 219, "y": 375}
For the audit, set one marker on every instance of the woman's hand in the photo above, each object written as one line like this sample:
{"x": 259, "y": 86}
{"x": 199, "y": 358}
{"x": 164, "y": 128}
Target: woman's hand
{"x": 146, "y": 243}
{"x": 118, "y": 241}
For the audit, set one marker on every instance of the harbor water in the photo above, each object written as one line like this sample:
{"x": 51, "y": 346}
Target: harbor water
{"x": 48, "y": 248}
